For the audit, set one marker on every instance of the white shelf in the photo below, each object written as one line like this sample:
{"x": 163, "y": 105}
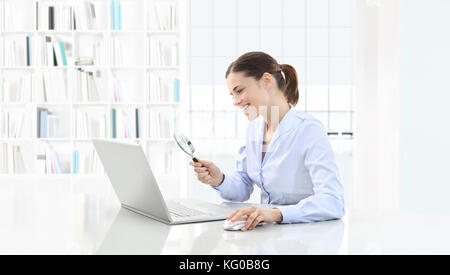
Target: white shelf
{"x": 163, "y": 32}
{"x": 12, "y": 140}
{"x": 137, "y": 46}
{"x": 163, "y": 68}
{"x": 72, "y": 32}
{"x": 17, "y": 68}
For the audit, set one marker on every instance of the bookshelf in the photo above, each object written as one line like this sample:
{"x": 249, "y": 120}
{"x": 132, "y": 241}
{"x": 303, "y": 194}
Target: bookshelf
{"x": 75, "y": 70}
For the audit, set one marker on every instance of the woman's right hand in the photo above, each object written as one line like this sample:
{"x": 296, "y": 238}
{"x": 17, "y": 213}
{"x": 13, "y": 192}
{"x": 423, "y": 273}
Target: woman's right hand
{"x": 207, "y": 172}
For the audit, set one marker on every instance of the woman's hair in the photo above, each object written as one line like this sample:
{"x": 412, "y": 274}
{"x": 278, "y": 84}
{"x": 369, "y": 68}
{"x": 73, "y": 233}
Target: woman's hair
{"x": 255, "y": 64}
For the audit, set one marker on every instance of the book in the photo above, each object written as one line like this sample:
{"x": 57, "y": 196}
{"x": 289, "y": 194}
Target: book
{"x": 118, "y": 47}
{"x": 165, "y": 16}
{"x": 53, "y": 86}
{"x": 15, "y": 122}
{"x": 124, "y": 123}
{"x": 52, "y": 125}
{"x": 112, "y": 10}
{"x": 51, "y": 17}
{"x": 40, "y": 117}
{"x": 41, "y": 161}
{"x": 49, "y": 162}
{"x": 138, "y": 123}
{"x": 28, "y": 46}
{"x": 19, "y": 163}
{"x": 86, "y": 162}
{"x": 76, "y": 162}
{"x": 56, "y": 163}
{"x": 84, "y": 61}
{"x": 113, "y": 123}
{"x": 117, "y": 90}
{"x": 14, "y": 51}
{"x": 116, "y": 15}
{"x": 8, "y": 22}
{"x": 119, "y": 16}
{"x": 87, "y": 86}
{"x": 36, "y": 15}
{"x": 45, "y": 125}
{"x": 60, "y": 53}
{"x": 63, "y": 53}
{"x": 176, "y": 90}
{"x": 50, "y": 57}
{"x": 84, "y": 15}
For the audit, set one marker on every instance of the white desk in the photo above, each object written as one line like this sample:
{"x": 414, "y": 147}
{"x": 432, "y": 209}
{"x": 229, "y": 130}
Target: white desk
{"x": 63, "y": 217}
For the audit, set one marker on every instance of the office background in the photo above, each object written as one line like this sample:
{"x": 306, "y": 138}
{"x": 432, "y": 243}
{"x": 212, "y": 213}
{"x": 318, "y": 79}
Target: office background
{"x": 153, "y": 67}
{"x": 373, "y": 71}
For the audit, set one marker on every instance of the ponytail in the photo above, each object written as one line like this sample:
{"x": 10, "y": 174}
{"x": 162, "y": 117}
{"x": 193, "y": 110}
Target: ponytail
{"x": 290, "y": 90}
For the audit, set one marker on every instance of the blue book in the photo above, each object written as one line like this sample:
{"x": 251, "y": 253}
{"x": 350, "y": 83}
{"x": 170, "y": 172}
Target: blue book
{"x": 46, "y": 123}
{"x": 63, "y": 53}
{"x": 76, "y": 164}
{"x": 119, "y": 15}
{"x": 176, "y": 90}
{"x": 56, "y": 163}
{"x": 43, "y": 123}
{"x": 116, "y": 15}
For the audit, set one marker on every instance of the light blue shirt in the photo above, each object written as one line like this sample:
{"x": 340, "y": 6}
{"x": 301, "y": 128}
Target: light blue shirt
{"x": 299, "y": 170}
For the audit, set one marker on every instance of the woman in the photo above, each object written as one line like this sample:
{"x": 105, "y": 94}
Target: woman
{"x": 287, "y": 153}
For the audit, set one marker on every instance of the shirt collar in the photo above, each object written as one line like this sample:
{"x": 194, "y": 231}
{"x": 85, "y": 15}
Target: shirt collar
{"x": 285, "y": 125}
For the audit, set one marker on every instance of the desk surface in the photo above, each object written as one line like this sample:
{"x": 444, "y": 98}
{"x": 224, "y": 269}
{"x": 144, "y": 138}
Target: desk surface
{"x": 59, "y": 217}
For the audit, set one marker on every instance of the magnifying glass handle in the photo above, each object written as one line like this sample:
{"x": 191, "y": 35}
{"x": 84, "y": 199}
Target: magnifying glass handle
{"x": 195, "y": 159}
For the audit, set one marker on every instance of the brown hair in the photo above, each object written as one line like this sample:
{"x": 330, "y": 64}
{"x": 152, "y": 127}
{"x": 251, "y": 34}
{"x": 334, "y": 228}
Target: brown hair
{"x": 255, "y": 64}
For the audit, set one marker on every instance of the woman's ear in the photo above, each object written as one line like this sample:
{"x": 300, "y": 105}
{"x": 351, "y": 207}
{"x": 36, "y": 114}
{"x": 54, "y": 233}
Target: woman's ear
{"x": 267, "y": 81}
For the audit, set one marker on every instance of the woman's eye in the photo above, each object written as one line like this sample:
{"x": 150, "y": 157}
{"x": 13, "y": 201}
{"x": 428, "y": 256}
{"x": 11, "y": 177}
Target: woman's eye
{"x": 240, "y": 91}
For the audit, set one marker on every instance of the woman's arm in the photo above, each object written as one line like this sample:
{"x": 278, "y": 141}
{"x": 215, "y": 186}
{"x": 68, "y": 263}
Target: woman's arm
{"x": 237, "y": 186}
{"x": 234, "y": 187}
{"x": 327, "y": 202}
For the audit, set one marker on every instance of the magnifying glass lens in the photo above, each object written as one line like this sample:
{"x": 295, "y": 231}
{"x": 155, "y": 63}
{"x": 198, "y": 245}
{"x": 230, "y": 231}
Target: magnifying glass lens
{"x": 185, "y": 144}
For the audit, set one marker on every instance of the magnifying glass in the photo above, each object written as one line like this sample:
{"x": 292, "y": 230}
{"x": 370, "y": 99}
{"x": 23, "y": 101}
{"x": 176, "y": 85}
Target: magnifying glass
{"x": 185, "y": 145}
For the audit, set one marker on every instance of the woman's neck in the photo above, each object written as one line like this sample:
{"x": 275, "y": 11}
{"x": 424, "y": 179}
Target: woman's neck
{"x": 275, "y": 114}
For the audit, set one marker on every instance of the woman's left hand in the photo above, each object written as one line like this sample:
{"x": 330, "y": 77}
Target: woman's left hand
{"x": 255, "y": 216}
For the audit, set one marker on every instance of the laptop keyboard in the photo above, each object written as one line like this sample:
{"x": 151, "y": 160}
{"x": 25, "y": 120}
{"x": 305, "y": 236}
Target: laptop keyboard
{"x": 179, "y": 210}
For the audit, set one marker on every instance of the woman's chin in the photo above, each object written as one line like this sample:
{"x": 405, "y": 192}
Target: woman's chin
{"x": 250, "y": 116}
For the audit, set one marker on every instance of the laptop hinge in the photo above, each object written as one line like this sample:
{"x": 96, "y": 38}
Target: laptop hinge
{"x": 147, "y": 214}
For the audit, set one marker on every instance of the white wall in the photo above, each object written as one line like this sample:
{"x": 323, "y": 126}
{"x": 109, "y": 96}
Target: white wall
{"x": 425, "y": 130}
{"x": 377, "y": 99}
{"x": 402, "y": 138}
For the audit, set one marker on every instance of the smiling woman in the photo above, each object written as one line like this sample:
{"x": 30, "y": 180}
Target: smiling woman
{"x": 287, "y": 153}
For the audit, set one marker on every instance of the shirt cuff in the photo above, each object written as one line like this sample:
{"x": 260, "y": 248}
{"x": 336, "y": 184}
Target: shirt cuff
{"x": 289, "y": 212}
{"x": 221, "y": 188}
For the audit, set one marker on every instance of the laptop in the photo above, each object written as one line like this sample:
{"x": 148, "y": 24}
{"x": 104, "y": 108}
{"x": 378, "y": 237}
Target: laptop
{"x": 137, "y": 189}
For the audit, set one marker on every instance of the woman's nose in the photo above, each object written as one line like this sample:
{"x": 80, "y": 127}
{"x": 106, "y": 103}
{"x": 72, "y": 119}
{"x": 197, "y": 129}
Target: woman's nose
{"x": 236, "y": 101}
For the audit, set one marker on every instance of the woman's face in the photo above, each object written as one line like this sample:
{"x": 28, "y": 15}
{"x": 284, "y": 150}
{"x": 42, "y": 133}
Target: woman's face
{"x": 249, "y": 95}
